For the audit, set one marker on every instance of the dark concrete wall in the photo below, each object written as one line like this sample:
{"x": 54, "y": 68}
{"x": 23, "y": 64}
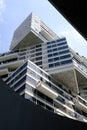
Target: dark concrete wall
{"x": 16, "y": 113}
{"x": 75, "y": 11}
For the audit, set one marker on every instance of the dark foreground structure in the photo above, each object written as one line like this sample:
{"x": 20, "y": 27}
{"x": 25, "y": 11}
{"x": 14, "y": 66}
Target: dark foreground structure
{"x": 17, "y": 113}
{"x": 75, "y": 11}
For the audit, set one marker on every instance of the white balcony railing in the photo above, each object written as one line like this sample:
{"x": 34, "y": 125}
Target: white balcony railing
{"x": 80, "y": 67}
{"x": 46, "y": 90}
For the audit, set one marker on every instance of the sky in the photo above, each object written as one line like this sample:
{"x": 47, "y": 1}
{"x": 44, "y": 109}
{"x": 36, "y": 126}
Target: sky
{"x": 13, "y": 12}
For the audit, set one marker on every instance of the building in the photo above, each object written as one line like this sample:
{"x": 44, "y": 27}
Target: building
{"x": 34, "y": 84}
{"x": 47, "y": 72}
{"x": 32, "y": 31}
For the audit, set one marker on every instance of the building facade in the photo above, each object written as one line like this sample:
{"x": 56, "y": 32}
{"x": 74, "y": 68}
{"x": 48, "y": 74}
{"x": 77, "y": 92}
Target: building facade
{"x": 34, "y": 84}
{"x": 42, "y": 68}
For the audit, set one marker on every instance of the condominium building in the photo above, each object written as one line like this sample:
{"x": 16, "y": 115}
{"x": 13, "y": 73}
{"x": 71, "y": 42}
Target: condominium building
{"x": 31, "y": 32}
{"x": 34, "y": 84}
{"x": 42, "y": 68}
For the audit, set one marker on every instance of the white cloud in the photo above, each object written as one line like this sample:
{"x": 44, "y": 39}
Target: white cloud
{"x": 2, "y": 8}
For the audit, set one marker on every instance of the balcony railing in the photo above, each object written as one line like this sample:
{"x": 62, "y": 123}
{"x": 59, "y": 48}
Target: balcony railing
{"x": 80, "y": 67}
{"x": 81, "y": 103}
{"x": 45, "y": 89}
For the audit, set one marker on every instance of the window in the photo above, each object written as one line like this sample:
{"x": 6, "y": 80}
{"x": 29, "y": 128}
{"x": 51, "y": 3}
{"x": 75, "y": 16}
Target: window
{"x": 55, "y": 49}
{"x": 57, "y": 64}
{"x": 64, "y": 47}
{"x": 51, "y": 65}
{"x": 49, "y": 51}
{"x": 63, "y": 52}
{"x": 62, "y": 39}
{"x": 50, "y": 60}
{"x": 31, "y": 80}
{"x": 65, "y": 56}
{"x": 60, "y": 44}
{"x": 55, "y": 54}
{"x": 48, "y": 46}
{"x": 40, "y": 53}
{"x": 57, "y": 58}
{"x": 66, "y": 62}
{"x": 20, "y": 82}
{"x": 30, "y": 88}
{"x": 39, "y": 49}
{"x": 48, "y": 43}
{"x": 38, "y": 58}
{"x": 21, "y": 89}
{"x": 39, "y": 63}
{"x": 54, "y": 45}
{"x": 32, "y": 51}
{"x": 50, "y": 55}
{"x": 38, "y": 46}
{"x": 33, "y": 55}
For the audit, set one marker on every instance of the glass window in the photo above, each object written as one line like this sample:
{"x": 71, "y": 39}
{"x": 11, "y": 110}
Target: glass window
{"x": 39, "y": 49}
{"x": 65, "y": 56}
{"x": 62, "y": 39}
{"x": 54, "y": 45}
{"x": 51, "y": 65}
{"x": 31, "y": 65}
{"x": 64, "y": 47}
{"x": 31, "y": 80}
{"x": 30, "y": 72}
{"x": 63, "y": 52}
{"x": 48, "y": 46}
{"x": 55, "y": 49}
{"x": 21, "y": 89}
{"x": 32, "y": 51}
{"x": 50, "y": 55}
{"x": 66, "y": 62}
{"x": 56, "y": 58}
{"x": 30, "y": 87}
{"x": 40, "y": 53}
{"x": 55, "y": 54}
{"x": 57, "y": 64}
{"x": 39, "y": 70}
{"x": 33, "y": 55}
{"x": 20, "y": 82}
{"x": 50, "y": 60}
{"x": 39, "y": 63}
{"x": 38, "y": 46}
{"x": 60, "y": 44}
{"x": 48, "y": 43}
{"x": 49, "y": 51}
{"x": 38, "y": 58}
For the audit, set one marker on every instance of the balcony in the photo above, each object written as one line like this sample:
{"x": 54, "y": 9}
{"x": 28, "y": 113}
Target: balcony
{"x": 8, "y": 56}
{"x": 81, "y": 103}
{"x": 12, "y": 64}
{"x": 3, "y": 72}
{"x": 82, "y": 69}
{"x": 45, "y": 89}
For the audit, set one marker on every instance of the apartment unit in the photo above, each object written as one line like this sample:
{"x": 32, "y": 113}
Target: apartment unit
{"x": 42, "y": 68}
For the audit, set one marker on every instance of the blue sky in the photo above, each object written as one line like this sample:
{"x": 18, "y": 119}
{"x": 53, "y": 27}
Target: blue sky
{"x": 13, "y": 12}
